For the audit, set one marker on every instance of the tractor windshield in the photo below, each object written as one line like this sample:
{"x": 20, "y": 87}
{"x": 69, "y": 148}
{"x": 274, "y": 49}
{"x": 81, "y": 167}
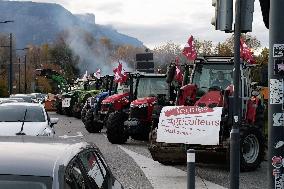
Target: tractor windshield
{"x": 213, "y": 75}
{"x": 94, "y": 85}
{"x": 152, "y": 86}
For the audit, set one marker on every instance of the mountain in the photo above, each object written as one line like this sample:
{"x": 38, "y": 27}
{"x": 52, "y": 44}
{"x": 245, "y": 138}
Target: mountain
{"x": 39, "y": 23}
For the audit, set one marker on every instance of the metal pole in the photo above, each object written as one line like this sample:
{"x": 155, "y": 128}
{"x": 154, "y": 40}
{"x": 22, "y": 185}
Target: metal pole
{"x": 11, "y": 67}
{"x": 275, "y": 106}
{"x": 19, "y": 76}
{"x": 25, "y": 74}
{"x": 235, "y": 132}
{"x": 190, "y": 169}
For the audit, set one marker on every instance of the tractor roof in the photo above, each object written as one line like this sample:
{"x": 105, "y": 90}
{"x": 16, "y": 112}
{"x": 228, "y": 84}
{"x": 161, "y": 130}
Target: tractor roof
{"x": 143, "y": 74}
{"x": 215, "y": 60}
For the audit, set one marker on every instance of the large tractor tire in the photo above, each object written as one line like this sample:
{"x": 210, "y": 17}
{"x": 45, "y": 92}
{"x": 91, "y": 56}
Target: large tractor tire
{"x": 116, "y": 132}
{"x": 83, "y": 114}
{"x": 67, "y": 111}
{"x": 89, "y": 122}
{"x": 91, "y": 125}
{"x": 76, "y": 110}
{"x": 252, "y": 149}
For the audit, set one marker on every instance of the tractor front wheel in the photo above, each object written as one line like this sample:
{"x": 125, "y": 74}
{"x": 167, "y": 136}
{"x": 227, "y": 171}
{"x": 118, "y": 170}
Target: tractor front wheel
{"x": 116, "y": 132}
{"x": 90, "y": 125}
{"x": 251, "y": 148}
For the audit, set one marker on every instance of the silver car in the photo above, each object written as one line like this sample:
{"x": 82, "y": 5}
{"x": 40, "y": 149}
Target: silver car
{"x": 50, "y": 163}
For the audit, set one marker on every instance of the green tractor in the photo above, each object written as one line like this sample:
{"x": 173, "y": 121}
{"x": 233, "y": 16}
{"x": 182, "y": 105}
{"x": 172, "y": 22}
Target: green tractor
{"x": 74, "y": 100}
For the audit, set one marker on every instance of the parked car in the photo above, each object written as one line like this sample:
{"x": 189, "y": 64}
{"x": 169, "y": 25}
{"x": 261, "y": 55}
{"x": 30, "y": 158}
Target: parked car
{"x": 26, "y": 98}
{"x": 38, "y": 97}
{"x": 44, "y": 163}
{"x": 6, "y": 100}
{"x": 21, "y": 118}
{"x": 17, "y": 99}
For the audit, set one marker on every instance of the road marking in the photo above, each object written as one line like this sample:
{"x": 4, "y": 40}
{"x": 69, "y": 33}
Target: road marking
{"x": 166, "y": 177}
{"x": 79, "y": 134}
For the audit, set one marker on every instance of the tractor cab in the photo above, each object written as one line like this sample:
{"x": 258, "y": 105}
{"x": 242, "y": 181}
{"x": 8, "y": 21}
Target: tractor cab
{"x": 212, "y": 73}
{"x": 211, "y": 89}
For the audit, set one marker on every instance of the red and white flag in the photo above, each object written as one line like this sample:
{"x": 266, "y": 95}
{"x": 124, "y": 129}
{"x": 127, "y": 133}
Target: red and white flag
{"x": 98, "y": 74}
{"x": 179, "y": 74}
{"x": 85, "y": 76}
{"x": 189, "y": 50}
{"x": 246, "y": 53}
{"x": 119, "y": 76}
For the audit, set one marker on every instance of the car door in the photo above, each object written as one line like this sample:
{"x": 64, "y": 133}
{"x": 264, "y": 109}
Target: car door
{"x": 96, "y": 169}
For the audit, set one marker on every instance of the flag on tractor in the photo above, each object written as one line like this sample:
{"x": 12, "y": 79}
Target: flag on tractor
{"x": 119, "y": 76}
{"x": 178, "y": 75}
{"x": 246, "y": 53}
{"x": 189, "y": 50}
{"x": 85, "y": 76}
{"x": 98, "y": 74}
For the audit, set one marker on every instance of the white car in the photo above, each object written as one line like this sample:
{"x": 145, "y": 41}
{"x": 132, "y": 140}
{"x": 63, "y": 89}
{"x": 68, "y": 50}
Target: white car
{"x": 23, "y": 118}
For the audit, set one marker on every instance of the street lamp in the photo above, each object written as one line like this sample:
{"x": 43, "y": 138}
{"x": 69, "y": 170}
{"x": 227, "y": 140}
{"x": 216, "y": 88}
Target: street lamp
{"x": 6, "y": 21}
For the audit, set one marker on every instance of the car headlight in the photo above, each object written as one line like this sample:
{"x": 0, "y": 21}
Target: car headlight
{"x": 46, "y": 132}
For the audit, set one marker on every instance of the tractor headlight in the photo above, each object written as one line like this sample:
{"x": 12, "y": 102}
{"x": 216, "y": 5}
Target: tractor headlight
{"x": 139, "y": 105}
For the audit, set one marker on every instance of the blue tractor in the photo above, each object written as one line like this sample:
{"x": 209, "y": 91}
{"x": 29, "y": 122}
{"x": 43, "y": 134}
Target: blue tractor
{"x": 90, "y": 112}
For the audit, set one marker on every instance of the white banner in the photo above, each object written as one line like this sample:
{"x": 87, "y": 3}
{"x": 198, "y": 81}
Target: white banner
{"x": 189, "y": 125}
{"x": 66, "y": 102}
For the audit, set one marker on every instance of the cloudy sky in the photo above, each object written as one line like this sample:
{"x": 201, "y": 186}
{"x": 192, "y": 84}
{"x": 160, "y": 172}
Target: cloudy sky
{"x": 155, "y": 22}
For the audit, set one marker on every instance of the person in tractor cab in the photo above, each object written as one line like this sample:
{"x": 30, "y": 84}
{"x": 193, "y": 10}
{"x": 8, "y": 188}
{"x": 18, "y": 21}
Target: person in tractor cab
{"x": 221, "y": 81}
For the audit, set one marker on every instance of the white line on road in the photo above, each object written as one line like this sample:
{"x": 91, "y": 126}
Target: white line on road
{"x": 79, "y": 134}
{"x": 165, "y": 177}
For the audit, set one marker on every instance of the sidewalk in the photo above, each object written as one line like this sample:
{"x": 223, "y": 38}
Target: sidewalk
{"x": 166, "y": 177}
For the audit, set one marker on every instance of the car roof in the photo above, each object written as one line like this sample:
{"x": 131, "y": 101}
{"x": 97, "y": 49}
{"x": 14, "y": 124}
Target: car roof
{"x": 23, "y": 104}
{"x": 38, "y": 156}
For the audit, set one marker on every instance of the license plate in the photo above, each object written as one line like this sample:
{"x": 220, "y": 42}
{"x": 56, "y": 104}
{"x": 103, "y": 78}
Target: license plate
{"x": 66, "y": 102}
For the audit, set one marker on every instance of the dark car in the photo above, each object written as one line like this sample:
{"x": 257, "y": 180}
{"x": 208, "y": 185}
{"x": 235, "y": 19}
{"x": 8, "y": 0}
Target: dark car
{"x": 41, "y": 163}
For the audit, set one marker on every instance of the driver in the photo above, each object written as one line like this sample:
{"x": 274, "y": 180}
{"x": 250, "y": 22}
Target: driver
{"x": 221, "y": 81}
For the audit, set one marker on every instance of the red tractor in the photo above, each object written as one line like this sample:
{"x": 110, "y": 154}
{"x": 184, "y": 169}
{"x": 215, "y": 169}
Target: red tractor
{"x": 136, "y": 121}
{"x": 97, "y": 109}
{"x": 210, "y": 86}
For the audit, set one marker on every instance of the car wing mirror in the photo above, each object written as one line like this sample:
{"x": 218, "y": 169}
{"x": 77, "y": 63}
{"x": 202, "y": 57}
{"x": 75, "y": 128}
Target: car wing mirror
{"x": 53, "y": 121}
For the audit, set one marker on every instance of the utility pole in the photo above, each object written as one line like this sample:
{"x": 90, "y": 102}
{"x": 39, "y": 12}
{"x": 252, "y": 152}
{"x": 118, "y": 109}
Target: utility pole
{"x": 11, "y": 66}
{"x": 235, "y": 132}
{"x": 276, "y": 96}
{"x": 25, "y": 74}
{"x": 19, "y": 76}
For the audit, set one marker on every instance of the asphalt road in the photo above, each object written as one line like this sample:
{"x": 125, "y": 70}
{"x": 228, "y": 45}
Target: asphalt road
{"x": 130, "y": 173}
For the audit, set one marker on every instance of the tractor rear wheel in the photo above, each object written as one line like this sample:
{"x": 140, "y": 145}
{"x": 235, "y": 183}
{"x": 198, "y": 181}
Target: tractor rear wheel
{"x": 116, "y": 132}
{"x": 251, "y": 148}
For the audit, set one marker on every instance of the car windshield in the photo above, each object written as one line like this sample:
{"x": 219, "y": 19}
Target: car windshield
{"x": 25, "y": 182}
{"x": 212, "y": 75}
{"x": 152, "y": 86}
{"x": 16, "y": 113}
